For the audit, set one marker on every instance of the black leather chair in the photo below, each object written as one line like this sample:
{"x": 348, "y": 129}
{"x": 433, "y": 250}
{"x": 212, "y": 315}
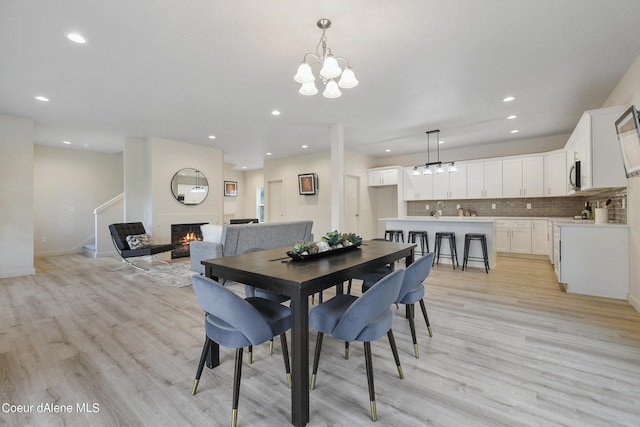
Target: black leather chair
{"x": 119, "y": 233}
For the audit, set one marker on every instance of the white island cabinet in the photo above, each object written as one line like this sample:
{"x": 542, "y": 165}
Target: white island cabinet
{"x": 593, "y": 259}
{"x": 458, "y": 225}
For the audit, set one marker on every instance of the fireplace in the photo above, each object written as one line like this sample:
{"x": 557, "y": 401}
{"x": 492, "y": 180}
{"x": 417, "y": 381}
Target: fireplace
{"x": 181, "y": 235}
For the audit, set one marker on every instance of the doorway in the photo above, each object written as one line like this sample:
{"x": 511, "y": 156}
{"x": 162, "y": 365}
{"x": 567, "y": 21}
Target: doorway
{"x": 275, "y": 206}
{"x": 352, "y": 204}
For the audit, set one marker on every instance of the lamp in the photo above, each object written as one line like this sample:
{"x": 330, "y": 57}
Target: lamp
{"x": 438, "y": 164}
{"x": 329, "y": 69}
{"x": 198, "y": 188}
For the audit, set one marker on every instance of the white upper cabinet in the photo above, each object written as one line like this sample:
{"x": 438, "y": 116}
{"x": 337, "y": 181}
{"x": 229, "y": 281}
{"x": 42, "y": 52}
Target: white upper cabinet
{"x": 484, "y": 179}
{"x": 594, "y": 142}
{"x": 450, "y": 185}
{"x": 523, "y": 177}
{"x": 555, "y": 174}
{"x": 383, "y": 176}
{"x": 417, "y": 187}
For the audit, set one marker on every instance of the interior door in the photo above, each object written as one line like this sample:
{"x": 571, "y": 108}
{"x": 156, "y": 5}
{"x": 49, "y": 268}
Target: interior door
{"x": 275, "y": 205}
{"x": 352, "y": 204}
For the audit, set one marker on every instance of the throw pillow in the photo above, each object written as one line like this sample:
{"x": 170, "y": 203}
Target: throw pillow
{"x": 139, "y": 241}
{"x": 211, "y": 232}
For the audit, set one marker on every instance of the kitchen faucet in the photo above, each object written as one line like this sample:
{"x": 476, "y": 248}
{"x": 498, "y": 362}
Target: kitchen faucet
{"x": 438, "y": 210}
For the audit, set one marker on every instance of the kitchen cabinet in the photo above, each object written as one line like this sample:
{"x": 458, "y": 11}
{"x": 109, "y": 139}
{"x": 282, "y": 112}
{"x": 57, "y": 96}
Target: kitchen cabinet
{"x": 513, "y": 236}
{"x": 450, "y": 185}
{"x": 593, "y": 259}
{"x": 383, "y": 176}
{"x": 555, "y": 174}
{"x": 540, "y": 239}
{"x": 484, "y": 179}
{"x": 595, "y": 144}
{"x": 417, "y": 187}
{"x": 523, "y": 177}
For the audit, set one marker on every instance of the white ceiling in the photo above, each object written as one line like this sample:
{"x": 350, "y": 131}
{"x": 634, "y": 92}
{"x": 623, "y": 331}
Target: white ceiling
{"x": 186, "y": 69}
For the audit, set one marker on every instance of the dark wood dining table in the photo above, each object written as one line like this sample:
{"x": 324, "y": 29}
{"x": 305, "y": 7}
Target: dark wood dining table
{"x": 273, "y": 270}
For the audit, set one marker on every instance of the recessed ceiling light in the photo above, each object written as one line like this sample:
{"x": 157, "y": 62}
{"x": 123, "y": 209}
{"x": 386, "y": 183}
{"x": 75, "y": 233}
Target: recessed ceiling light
{"x": 87, "y": 145}
{"x": 76, "y": 38}
{"x": 244, "y": 167}
{"x": 511, "y": 117}
{"x": 42, "y": 98}
{"x": 305, "y": 146}
{"x": 275, "y": 113}
{"x": 515, "y": 131}
{"x": 387, "y": 150}
{"x": 441, "y": 142}
{"x": 268, "y": 154}
{"x": 212, "y": 137}
{"x": 66, "y": 142}
{"x": 508, "y": 99}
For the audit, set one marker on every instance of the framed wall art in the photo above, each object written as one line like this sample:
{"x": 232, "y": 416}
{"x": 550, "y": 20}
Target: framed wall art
{"x": 231, "y": 188}
{"x": 307, "y": 184}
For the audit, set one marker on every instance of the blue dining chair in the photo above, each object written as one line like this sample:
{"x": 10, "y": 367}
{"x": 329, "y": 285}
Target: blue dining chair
{"x": 367, "y": 318}
{"x": 412, "y": 291}
{"x": 236, "y": 323}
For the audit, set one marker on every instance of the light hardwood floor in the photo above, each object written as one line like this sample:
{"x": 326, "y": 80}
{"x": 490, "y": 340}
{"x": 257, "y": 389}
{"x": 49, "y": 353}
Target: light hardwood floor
{"x": 509, "y": 348}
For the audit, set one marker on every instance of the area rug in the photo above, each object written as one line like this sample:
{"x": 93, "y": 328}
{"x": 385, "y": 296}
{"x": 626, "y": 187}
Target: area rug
{"x": 177, "y": 274}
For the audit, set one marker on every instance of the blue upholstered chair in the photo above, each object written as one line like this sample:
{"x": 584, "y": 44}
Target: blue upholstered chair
{"x": 234, "y": 322}
{"x": 364, "y": 319}
{"x": 412, "y": 291}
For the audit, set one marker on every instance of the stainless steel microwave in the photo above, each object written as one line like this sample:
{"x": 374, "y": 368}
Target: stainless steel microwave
{"x": 574, "y": 176}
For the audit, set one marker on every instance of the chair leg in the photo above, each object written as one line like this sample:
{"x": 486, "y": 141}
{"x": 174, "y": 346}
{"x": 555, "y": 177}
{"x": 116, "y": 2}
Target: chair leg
{"x": 426, "y": 318}
{"x": 412, "y": 327}
{"x": 346, "y": 350}
{"x": 372, "y": 392}
{"x": 452, "y": 251}
{"x": 349, "y": 287}
{"x": 394, "y": 350}
{"x": 236, "y": 387}
{"x": 250, "y": 354}
{"x": 285, "y": 355}
{"x": 203, "y": 358}
{"x": 271, "y": 346}
{"x": 316, "y": 359}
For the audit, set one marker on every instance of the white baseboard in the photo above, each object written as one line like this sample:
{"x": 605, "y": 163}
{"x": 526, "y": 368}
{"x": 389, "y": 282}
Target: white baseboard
{"x": 17, "y": 273}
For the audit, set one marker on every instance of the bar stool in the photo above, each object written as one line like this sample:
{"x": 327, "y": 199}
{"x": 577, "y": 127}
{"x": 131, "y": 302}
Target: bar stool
{"x": 394, "y": 235}
{"x": 422, "y": 236}
{"x": 483, "y": 243}
{"x": 453, "y": 253}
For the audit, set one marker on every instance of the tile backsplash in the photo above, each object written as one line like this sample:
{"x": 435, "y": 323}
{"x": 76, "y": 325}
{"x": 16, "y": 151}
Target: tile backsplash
{"x": 541, "y": 206}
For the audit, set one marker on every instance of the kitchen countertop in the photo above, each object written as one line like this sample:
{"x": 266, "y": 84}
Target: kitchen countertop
{"x": 564, "y": 221}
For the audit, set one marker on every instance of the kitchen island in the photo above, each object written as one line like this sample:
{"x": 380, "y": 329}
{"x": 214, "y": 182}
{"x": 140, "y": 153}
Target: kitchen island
{"x": 460, "y": 225}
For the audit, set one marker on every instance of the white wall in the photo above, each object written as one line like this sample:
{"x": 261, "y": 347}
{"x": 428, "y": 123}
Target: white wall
{"x": 16, "y": 196}
{"x": 628, "y": 92}
{"x": 252, "y": 180}
{"x": 318, "y": 207}
{"x": 165, "y": 158}
{"x": 68, "y": 185}
{"x": 234, "y": 207}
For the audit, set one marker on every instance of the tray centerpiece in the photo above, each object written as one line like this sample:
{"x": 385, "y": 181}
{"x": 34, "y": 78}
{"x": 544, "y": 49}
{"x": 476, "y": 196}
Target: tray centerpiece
{"x": 333, "y": 243}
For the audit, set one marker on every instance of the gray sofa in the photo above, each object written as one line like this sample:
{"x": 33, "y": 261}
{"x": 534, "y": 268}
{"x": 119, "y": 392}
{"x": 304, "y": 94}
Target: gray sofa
{"x": 241, "y": 238}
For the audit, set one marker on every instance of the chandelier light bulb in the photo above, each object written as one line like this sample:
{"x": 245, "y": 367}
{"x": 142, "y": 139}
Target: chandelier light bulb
{"x": 308, "y": 89}
{"x": 439, "y": 169}
{"x": 453, "y": 167}
{"x": 427, "y": 171}
{"x": 415, "y": 172}
{"x": 332, "y": 90}
{"x": 348, "y": 79}
{"x": 304, "y": 74}
{"x": 330, "y": 68}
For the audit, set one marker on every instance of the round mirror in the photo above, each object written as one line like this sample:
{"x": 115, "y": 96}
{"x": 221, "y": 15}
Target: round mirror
{"x": 189, "y": 186}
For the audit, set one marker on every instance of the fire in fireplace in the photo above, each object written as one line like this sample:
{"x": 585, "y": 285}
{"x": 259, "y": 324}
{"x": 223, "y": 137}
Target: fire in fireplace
{"x": 181, "y": 236}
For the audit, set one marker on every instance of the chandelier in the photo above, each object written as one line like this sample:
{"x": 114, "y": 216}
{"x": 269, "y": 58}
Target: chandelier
{"x": 438, "y": 164}
{"x": 329, "y": 69}
{"x": 198, "y": 188}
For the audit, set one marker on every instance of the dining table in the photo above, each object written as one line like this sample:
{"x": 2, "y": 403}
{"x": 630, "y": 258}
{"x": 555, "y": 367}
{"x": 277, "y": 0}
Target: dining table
{"x": 273, "y": 270}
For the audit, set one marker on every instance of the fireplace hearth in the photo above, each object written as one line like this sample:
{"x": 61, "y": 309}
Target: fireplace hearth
{"x": 181, "y": 236}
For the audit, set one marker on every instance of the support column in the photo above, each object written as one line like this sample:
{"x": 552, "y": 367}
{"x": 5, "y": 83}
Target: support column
{"x": 337, "y": 178}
